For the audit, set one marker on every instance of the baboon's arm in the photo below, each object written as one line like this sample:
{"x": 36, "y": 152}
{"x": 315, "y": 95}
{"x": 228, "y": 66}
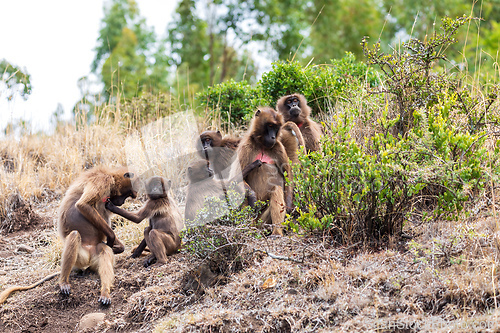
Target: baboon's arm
{"x": 85, "y": 206}
{"x": 135, "y": 217}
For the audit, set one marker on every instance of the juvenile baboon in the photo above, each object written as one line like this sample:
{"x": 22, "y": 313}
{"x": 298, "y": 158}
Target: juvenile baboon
{"x": 291, "y": 138}
{"x": 218, "y": 151}
{"x": 294, "y": 108}
{"x": 162, "y": 236}
{"x": 85, "y": 227}
{"x": 261, "y": 143}
{"x": 202, "y": 185}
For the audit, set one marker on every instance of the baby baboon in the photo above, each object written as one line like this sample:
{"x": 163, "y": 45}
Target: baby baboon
{"x": 261, "y": 143}
{"x": 202, "y": 185}
{"x": 219, "y": 152}
{"x": 162, "y": 236}
{"x": 291, "y": 138}
{"x": 294, "y": 108}
{"x": 85, "y": 227}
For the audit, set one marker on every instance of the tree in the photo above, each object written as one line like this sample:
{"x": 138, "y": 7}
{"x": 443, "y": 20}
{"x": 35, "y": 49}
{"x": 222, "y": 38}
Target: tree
{"x": 189, "y": 43}
{"x": 14, "y": 81}
{"x": 341, "y": 25}
{"x": 128, "y": 57}
{"x": 206, "y": 48}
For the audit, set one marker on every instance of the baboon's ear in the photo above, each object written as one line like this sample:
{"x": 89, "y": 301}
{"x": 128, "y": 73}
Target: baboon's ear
{"x": 169, "y": 185}
{"x": 129, "y": 175}
{"x": 257, "y": 113}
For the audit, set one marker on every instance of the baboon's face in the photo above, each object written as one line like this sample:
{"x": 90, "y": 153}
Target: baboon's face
{"x": 199, "y": 171}
{"x": 270, "y": 134}
{"x": 157, "y": 187}
{"x": 209, "y": 140}
{"x": 125, "y": 189}
{"x": 293, "y": 105}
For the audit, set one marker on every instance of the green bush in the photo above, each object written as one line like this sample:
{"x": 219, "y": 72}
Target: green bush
{"x": 284, "y": 78}
{"x": 232, "y": 101}
{"x": 322, "y": 85}
{"x": 359, "y": 192}
{"x": 219, "y": 241}
{"x": 235, "y": 102}
{"x": 408, "y": 73}
{"x": 426, "y": 151}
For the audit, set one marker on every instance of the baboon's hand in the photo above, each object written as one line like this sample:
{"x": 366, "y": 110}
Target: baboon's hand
{"x": 118, "y": 247}
{"x": 109, "y": 205}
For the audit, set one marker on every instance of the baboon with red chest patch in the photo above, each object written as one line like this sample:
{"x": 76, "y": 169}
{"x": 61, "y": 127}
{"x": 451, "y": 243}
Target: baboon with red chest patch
{"x": 268, "y": 181}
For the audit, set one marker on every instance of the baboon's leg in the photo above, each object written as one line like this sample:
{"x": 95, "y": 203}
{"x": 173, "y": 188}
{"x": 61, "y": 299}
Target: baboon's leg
{"x": 151, "y": 258}
{"x": 161, "y": 244}
{"x": 277, "y": 208}
{"x": 72, "y": 245}
{"x": 103, "y": 263}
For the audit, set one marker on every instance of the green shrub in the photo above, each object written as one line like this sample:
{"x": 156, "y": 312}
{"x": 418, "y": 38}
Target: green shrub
{"x": 322, "y": 85}
{"x": 285, "y": 78}
{"x": 409, "y": 78}
{"x": 234, "y": 102}
{"x": 364, "y": 191}
{"x": 219, "y": 241}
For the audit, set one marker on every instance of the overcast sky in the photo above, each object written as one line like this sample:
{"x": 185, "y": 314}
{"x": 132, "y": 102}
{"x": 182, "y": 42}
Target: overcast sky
{"x": 54, "y": 41}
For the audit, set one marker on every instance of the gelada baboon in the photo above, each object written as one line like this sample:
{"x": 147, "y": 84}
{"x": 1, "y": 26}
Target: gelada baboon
{"x": 218, "y": 151}
{"x": 268, "y": 181}
{"x": 294, "y": 108}
{"x": 202, "y": 185}
{"x": 162, "y": 235}
{"x": 85, "y": 227}
{"x": 291, "y": 138}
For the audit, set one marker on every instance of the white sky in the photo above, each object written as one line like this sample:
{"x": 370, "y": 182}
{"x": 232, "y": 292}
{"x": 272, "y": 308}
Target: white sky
{"x": 54, "y": 41}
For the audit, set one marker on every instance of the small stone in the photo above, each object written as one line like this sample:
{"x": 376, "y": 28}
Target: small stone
{"x": 91, "y": 320}
{"x": 25, "y": 248}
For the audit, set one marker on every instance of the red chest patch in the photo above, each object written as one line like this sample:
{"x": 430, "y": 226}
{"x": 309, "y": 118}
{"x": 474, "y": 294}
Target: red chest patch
{"x": 264, "y": 158}
{"x": 299, "y": 125}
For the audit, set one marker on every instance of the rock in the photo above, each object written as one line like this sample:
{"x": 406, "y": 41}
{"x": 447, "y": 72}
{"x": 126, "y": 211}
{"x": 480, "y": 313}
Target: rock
{"x": 91, "y": 320}
{"x": 25, "y": 248}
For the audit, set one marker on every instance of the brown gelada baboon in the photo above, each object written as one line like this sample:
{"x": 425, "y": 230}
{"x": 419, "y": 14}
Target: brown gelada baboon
{"x": 202, "y": 185}
{"x": 162, "y": 236}
{"x": 268, "y": 181}
{"x": 85, "y": 227}
{"x": 294, "y": 108}
{"x": 218, "y": 151}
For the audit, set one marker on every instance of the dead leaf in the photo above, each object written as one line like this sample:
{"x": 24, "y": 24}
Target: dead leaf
{"x": 269, "y": 283}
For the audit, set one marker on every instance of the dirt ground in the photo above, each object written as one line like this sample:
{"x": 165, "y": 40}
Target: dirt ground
{"x": 444, "y": 282}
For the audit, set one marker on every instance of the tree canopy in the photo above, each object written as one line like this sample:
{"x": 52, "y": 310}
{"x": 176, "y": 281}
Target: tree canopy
{"x": 14, "y": 81}
{"x": 211, "y": 41}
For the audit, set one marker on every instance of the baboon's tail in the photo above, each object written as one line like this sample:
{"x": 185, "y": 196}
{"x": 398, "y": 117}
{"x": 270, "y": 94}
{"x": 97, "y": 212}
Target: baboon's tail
{"x": 6, "y": 293}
